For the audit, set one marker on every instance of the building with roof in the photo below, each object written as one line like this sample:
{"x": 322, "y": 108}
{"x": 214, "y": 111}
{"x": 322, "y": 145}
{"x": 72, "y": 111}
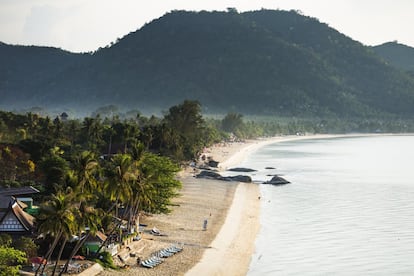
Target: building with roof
{"x": 13, "y": 219}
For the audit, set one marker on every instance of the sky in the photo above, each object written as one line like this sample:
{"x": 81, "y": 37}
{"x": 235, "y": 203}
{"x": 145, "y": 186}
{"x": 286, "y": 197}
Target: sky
{"x": 86, "y": 25}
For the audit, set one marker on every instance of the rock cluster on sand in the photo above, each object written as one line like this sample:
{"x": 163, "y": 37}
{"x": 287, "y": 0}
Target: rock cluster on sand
{"x": 217, "y": 176}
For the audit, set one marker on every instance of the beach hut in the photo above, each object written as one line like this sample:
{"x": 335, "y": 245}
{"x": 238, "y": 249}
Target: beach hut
{"x": 13, "y": 220}
{"x": 93, "y": 243}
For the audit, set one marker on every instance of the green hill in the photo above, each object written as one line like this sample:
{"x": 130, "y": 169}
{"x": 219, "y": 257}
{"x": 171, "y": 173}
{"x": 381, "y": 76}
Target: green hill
{"x": 25, "y": 70}
{"x": 398, "y": 55}
{"x": 263, "y": 62}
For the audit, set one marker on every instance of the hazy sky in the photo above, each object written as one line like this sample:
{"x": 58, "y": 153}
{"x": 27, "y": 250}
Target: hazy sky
{"x": 85, "y": 25}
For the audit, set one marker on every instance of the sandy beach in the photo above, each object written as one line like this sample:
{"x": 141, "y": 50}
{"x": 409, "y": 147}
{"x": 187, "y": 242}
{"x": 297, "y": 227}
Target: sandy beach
{"x": 232, "y": 212}
{"x": 231, "y": 209}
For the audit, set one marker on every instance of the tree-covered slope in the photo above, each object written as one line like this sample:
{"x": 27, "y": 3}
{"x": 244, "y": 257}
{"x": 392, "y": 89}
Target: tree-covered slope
{"x": 398, "y": 55}
{"x": 263, "y": 62}
{"x": 221, "y": 59}
{"x": 363, "y": 76}
{"x": 27, "y": 69}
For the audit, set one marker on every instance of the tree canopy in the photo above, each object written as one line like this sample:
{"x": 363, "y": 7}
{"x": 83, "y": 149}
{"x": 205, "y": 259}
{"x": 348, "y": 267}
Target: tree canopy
{"x": 267, "y": 62}
{"x": 11, "y": 261}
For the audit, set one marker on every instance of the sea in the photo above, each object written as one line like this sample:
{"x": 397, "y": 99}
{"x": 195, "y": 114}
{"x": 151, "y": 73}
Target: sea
{"x": 349, "y": 209}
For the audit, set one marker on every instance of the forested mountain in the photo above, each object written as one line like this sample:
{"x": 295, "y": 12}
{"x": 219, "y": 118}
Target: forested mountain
{"x": 26, "y": 69}
{"x": 399, "y": 55}
{"x": 262, "y": 62}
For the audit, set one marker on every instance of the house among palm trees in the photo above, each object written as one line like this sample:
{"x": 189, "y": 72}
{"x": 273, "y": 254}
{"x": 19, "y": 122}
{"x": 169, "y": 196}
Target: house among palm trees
{"x": 13, "y": 219}
{"x": 94, "y": 242}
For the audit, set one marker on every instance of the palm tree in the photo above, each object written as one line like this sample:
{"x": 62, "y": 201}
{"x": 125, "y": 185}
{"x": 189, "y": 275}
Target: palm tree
{"x": 119, "y": 174}
{"x": 72, "y": 129}
{"x": 57, "y": 219}
{"x": 86, "y": 216}
{"x": 110, "y": 132}
{"x": 83, "y": 179}
{"x": 131, "y": 131}
{"x": 86, "y": 168}
{"x": 93, "y": 130}
{"x": 65, "y": 240}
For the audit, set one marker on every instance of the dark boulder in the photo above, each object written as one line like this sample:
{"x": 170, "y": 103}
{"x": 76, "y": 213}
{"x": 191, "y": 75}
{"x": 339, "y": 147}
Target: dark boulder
{"x": 217, "y": 176}
{"x": 209, "y": 175}
{"x": 277, "y": 180}
{"x": 239, "y": 178}
{"x": 241, "y": 170}
{"x": 213, "y": 164}
{"x": 270, "y": 168}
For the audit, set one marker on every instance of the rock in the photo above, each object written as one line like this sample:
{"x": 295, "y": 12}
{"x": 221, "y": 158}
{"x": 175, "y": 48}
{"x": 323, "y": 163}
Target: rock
{"x": 270, "y": 168}
{"x": 241, "y": 170}
{"x": 207, "y": 168}
{"x": 240, "y": 178}
{"x": 213, "y": 163}
{"x": 208, "y": 174}
{"x": 277, "y": 180}
{"x": 216, "y": 176}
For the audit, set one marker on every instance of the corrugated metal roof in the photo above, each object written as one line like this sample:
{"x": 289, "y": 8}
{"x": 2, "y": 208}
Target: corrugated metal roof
{"x": 28, "y": 190}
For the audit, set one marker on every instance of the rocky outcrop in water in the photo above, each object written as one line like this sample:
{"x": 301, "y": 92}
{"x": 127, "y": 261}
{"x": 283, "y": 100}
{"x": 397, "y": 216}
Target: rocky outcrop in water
{"x": 277, "y": 180}
{"x": 241, "y": 170}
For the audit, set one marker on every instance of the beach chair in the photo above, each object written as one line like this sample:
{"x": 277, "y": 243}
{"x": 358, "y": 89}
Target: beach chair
{"x": 174, "y": 249}
{"x": 151, "y": 262}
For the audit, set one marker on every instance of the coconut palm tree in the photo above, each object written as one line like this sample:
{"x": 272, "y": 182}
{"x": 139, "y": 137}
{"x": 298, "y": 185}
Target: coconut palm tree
{"x": 120, "y": 173}
{"x": 86, "y": 169}
{"x": 86, "y": 217}
{"x": 92, "y": 130}
{"x": 56, "y": 217}
{"x": 83, "y": 179}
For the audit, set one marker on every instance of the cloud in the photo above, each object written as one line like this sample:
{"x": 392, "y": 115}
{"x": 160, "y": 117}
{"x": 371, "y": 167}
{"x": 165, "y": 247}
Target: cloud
{"x": 41, "y": 24}
{"x": 80, "y": 26}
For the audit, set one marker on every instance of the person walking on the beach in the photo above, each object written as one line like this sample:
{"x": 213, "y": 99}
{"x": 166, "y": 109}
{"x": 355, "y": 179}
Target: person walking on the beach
{"x": 205, "y": 225}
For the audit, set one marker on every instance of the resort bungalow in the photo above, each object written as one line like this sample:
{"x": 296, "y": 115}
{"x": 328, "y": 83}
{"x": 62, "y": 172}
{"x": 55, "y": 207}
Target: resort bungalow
{"x": 93, "y": 243}
{"x": 13, "y": 219}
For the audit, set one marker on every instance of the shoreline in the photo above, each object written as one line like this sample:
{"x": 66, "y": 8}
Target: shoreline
{"x": 224, "y": 204}
{"x": 232, "y": 210}
{"x": 235, "y": 242}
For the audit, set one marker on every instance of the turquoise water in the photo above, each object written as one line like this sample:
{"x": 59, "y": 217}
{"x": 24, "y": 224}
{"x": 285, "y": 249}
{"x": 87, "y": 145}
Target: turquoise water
{"x": 348, "y": 211}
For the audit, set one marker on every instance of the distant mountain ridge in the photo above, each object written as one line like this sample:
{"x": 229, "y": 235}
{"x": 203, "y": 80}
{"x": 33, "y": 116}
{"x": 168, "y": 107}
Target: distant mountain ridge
{"x": 261, "y": 62}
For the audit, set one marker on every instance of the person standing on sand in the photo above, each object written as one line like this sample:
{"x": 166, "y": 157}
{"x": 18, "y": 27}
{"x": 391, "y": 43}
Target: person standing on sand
{"x": 205, "y": 225}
